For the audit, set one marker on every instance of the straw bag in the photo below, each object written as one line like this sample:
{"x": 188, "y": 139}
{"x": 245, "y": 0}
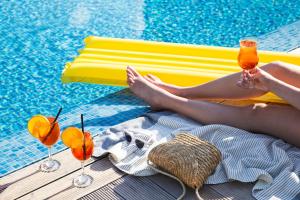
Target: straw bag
{"x": 188, "y": 159}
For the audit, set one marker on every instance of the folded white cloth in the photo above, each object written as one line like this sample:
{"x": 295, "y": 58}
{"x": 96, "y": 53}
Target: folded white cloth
{"x": 246, "y": 157}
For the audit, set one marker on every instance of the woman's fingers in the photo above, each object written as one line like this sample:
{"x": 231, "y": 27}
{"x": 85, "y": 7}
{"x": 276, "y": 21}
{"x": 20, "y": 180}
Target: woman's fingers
{"x": 253, "y": 73}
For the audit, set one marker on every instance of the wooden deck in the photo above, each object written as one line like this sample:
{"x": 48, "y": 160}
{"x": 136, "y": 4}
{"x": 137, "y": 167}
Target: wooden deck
{"x": 109, "y": 183}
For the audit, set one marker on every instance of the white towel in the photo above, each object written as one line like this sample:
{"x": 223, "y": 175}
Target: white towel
{"x": 246, "y": 157}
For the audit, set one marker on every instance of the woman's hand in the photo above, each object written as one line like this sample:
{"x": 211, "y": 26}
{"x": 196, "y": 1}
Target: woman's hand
{"x": 258, "y": 79}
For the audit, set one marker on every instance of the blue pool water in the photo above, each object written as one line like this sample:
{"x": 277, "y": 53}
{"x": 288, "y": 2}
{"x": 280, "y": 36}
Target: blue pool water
{"x": 37, "y": 37}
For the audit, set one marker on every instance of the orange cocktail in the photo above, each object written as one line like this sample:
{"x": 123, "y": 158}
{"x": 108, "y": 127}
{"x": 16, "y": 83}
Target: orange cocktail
{"x": 247, "y": 58}
{"x": 52, "y": 137}
{"x": 46, "y": 130}
{"x": 85, "y": 151}
{"x": 82, "y": 147}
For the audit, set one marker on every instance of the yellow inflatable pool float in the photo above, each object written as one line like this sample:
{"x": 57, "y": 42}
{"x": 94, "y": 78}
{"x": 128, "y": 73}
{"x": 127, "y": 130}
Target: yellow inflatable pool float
{"x": 104, "y": 60}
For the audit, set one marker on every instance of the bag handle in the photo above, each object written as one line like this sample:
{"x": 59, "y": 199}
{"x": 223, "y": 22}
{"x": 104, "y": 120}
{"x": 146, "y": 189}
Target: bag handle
{"x": 177, "y": 179}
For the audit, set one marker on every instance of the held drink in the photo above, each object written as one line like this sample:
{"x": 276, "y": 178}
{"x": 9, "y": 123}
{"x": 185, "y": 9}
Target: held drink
{"x": 248, "y": 58}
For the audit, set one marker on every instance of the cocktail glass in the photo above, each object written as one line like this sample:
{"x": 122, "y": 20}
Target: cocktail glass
{"x": 248, "y": 60}
{"x": 47, "y": 131}
{"x": 82, "y": 154}
{"x": 82, "y": 147}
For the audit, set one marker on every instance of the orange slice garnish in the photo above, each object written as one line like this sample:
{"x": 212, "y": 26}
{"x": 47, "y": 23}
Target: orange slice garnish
{"x": 88, "y": 139}
{"x": 72, "y": 137}
{"x": 84, "y": 152}
{"x": 38, "y": 126}
{"x": 88, "y": 136}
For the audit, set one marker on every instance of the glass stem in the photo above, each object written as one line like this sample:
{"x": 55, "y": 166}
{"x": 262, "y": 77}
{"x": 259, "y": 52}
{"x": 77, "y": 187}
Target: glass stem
{"x": 82, "y": 167}
{"x": 50, "y": 154}
{"x": 244, "y": 76}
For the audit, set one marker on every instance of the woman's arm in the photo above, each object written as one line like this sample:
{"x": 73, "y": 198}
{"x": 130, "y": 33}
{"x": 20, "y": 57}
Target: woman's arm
{"x": 267, "y": 82}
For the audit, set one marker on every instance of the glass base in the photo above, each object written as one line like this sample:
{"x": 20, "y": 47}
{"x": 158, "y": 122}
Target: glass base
{"x": 82, "y": 180}
{"x": 49, "y": 166}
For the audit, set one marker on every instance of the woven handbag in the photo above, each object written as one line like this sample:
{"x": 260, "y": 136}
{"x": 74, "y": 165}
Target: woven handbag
{"x": 187, "y": 159}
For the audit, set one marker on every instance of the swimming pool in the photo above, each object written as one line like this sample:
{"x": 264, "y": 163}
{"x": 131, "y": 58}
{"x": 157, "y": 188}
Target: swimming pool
{"x": 38, "y": 37}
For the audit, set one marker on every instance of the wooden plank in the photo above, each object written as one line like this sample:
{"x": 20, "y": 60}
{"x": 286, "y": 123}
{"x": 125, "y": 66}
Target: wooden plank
{"x": 102, "y": 172}
{"x": 136, "y": 188}
{"x": 105, "y": 193}
{"x": 235, "y": 190}
{"x": 168, "y": 184}
{"x": 30, "y": 178}
{"x": 173, "y": 187}
{"x": 130, "y": 187}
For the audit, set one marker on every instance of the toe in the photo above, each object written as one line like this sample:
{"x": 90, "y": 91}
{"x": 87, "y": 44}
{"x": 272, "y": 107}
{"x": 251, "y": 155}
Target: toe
{"x": 147, "y": 78}
{"x": 130, "y": 78}
{"x": 129, "y": 72}
{"x": 130, "y": 81}
{"x": 133, "y": 71}
{"x": 152, "y": 77}
{"x": 129, "y": 75}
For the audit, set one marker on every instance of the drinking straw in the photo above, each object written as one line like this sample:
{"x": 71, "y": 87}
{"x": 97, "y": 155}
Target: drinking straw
{"x": 57, "y": 115}
{"x": 82, "y": 128}
{"x": 53, "y": 124}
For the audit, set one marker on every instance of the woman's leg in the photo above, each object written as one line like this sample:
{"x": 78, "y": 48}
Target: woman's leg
{"x": 278, "y": 121}
{"x": 226, "y": 87}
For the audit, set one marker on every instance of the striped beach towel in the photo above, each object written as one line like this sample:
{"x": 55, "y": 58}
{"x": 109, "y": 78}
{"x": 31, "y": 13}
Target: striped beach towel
{"x": 271, "y": 163}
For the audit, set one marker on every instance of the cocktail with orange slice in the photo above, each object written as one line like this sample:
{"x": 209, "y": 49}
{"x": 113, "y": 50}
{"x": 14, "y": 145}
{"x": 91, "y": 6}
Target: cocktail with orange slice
{"x": 82, "y": 147}
{"x": 247, "y": 59}
{"x": 46, "y": 130}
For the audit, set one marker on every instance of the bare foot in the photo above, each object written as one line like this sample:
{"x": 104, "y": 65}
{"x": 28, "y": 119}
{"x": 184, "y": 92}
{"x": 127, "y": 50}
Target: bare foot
{"x": 159, "y": 83}
{"x": 144, "y": 89}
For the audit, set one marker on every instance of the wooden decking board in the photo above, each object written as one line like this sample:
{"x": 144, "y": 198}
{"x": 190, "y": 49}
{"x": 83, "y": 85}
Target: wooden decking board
{"x": 174, "y": 188}
{"x": 130, "y": 187}
{"x": 102, "y": 171}
{"x": 208, "y": 193}
{"x": 136, "y": 188}
{"x": 168, "y": 184}
{"x": 103, "y": 193}
{"x": 236, "y": 190}
{"x": 29, "y": 178}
